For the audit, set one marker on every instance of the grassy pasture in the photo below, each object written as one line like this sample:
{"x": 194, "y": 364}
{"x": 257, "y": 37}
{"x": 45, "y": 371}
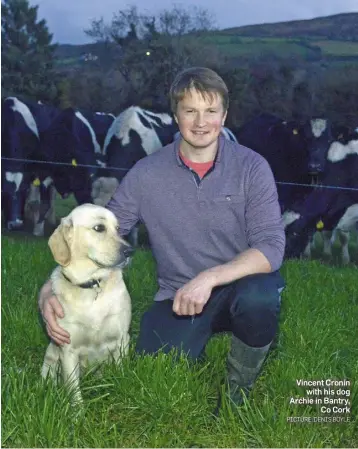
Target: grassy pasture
{"x": 233, "y": 46}
{"x": 236, "y": 45}
{"x": 337, "y": 48}
{"x": 157, "y": 402}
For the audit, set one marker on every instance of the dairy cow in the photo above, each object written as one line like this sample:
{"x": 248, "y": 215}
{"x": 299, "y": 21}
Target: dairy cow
{"x": 72, "y": 145}
{"x": 134, "y": 134}
{"x": 60, "y": 142}
{"x": 296, "y": 152}
{"x": 328, "y": 208}
{"x": 22, "y": 122}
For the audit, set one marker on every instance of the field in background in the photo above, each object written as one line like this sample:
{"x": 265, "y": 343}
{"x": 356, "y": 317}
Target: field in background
{"x": 236, "y": 45}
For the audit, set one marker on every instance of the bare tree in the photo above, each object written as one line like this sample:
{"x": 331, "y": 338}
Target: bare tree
{"x": 152, "y": 49}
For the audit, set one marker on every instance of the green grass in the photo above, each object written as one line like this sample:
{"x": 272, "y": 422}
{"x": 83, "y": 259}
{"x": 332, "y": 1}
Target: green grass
{"x": 236, "y": 45}
{"x": 163, "y": 402}
{"x": 233, "y": 46}
{"x": 68, "y": 61}
{"x": 338, "y": 48}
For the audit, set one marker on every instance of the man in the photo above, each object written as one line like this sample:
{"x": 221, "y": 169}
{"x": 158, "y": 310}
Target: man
{"x": 211, "y": 210}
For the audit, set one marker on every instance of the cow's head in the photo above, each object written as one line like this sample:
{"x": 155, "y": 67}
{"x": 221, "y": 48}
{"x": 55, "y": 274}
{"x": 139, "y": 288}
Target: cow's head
{"x": 318, "y": 136}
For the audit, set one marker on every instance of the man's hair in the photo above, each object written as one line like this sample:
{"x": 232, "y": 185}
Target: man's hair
{"x": 204, "y": 80}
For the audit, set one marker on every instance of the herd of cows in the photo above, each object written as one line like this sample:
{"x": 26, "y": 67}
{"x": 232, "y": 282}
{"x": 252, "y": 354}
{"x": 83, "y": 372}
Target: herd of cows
{"x": 46, "y": 149}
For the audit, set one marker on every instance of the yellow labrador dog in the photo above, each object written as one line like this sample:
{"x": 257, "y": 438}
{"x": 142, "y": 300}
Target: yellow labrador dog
{"x": 88, "y": 283}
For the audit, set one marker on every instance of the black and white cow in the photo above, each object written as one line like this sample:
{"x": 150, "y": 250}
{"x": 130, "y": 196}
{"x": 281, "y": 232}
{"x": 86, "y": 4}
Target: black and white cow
{"x": 328, "y": 208}
{"x": 332, "y": 231}
{"x": 341, "y": 231}
{"x": 134, "y": 134}
{"x": 61, "y": 141}
{"x": 21, "y": 125}
{"x": 76, "y": 138}
{"x": 72, "y": 145}
{"x": 296, "y": 152}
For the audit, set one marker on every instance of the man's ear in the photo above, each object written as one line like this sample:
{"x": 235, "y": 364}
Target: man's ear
{"x": 224, "y": 118}
{"x": 59, "y": 242}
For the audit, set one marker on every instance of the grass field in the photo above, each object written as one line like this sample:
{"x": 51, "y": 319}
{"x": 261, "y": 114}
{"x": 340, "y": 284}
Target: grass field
{"x": 338, "y": 48}
{"x": 160, "y": 402}
{"x": 235, "y": 45}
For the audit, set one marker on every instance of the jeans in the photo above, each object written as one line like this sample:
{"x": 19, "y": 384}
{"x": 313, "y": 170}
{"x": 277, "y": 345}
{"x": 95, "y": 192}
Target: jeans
{"x": 248, "y": 307}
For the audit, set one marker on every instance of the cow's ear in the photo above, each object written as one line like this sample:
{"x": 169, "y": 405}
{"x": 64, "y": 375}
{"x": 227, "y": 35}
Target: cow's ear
{"x": 59, "y": 243}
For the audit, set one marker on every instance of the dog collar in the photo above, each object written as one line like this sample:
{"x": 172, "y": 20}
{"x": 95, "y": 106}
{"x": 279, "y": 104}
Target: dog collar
{"x": 89, "y": 284}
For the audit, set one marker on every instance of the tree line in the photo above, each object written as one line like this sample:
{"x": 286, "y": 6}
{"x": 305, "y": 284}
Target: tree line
{"x": 143, "y": 54}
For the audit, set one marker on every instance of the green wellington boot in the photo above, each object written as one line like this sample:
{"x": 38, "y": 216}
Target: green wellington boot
{"x": 243, "y": 364}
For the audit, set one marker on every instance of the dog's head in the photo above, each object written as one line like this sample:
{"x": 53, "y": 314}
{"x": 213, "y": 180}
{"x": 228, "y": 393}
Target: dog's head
{"x": 89, "y": 237}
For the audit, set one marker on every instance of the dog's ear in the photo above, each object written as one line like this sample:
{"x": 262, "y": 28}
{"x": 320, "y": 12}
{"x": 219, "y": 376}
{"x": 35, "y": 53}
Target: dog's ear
{"x": 59, "y": 242}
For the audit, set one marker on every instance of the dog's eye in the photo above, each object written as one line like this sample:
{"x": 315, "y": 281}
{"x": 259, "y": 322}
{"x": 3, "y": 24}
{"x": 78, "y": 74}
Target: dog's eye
{"x": 99, "y": 228}
{"x": 117, "y": 228}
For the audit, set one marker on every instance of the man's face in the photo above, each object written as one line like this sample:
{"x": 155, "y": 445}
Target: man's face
{"x": 200, "y": 118}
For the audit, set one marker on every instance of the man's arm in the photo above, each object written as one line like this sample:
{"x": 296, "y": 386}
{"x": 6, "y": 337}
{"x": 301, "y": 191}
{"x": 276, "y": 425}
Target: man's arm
{"x": 50, "y": 309}
{"x": 251, "y": 261}
{"x": 264, "y": 230}
{"x": 264, "y": 225}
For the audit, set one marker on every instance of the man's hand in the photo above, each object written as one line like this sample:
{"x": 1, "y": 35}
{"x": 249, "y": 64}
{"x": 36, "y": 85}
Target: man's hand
{"x": 51, "y": 308}
{"x": 192, "y": 297}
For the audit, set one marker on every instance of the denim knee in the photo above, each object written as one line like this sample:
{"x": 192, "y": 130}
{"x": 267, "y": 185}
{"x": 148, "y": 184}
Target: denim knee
{"x": 254, "y": 311}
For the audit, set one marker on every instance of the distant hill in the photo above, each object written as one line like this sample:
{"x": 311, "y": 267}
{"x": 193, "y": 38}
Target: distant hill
{"x": 337, "y": 27}
{"x": 332, "y": 38}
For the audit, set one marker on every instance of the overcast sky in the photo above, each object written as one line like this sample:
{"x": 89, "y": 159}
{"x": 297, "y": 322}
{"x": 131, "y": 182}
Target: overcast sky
{"x": 66, "y": 19}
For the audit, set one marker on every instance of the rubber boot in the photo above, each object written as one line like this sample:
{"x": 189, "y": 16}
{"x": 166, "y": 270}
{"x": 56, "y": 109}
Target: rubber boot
{"x": 243, "y": 364}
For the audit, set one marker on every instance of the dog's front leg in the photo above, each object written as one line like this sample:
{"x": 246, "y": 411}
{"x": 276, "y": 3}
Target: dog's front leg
{"x": 121, "y": 349}
{"x": 71, "y": 373}
{"x": 50, "y": 364}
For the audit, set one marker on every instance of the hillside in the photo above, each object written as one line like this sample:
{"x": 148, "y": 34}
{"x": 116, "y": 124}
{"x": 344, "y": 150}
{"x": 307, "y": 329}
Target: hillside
{"x": 332, "y": 38}
{"x": 338, "y": 27}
